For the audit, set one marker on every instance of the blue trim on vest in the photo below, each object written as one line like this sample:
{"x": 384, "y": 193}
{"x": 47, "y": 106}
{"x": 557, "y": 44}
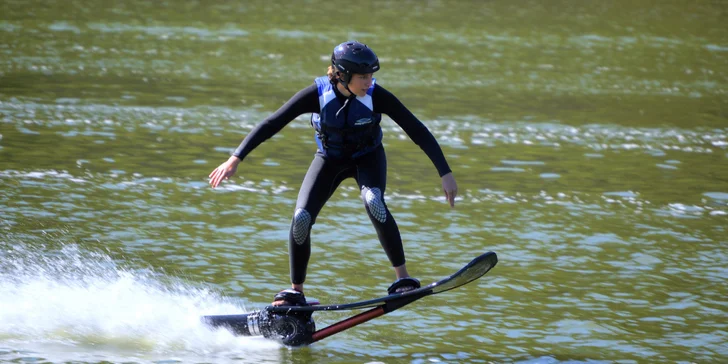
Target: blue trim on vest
{"x": 346, "y": 136}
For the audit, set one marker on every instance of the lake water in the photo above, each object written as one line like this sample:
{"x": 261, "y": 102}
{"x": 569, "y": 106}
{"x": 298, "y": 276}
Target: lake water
{"x": 589, "y": 141}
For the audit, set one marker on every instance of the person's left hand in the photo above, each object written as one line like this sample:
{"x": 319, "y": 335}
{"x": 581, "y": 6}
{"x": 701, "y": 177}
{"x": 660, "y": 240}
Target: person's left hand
{"x": 450, "y": 187}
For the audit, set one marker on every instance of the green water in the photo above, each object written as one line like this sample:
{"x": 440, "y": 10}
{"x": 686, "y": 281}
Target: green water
{"x": 589, "y": 141}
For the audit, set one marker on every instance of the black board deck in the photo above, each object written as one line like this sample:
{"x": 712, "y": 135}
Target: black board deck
{"x": 470, "y": 272}
{"x": 293, "y": 325}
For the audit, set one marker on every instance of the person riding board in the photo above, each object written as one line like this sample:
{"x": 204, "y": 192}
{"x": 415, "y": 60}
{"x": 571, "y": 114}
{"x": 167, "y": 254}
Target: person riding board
{"x": 346, "y": 106}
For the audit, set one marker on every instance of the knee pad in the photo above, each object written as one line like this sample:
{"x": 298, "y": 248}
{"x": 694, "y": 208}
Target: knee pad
{"x": 373, "y": 199}
{"x": 301, "y": 225}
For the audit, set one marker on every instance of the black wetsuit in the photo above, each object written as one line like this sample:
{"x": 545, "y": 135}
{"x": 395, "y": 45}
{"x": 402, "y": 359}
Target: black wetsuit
{"x": 325, "y": 174}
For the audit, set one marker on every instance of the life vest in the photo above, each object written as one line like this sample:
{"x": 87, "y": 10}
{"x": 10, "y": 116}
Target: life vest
{"x": 354, "y": 131}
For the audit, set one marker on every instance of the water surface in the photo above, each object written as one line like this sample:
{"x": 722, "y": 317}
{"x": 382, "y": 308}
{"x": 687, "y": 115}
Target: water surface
{"x": 589, "y": 142}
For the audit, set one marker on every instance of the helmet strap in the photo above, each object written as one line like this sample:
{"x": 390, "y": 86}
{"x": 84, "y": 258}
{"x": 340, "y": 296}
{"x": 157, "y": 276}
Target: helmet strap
{"x": 351, "y": 94}
{"x": 344, "y": 80}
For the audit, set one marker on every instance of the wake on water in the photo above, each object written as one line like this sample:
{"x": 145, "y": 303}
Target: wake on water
{"x": 70, "y": 304}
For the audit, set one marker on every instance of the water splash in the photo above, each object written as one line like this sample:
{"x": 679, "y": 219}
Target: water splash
{"x": 80, "y": 302}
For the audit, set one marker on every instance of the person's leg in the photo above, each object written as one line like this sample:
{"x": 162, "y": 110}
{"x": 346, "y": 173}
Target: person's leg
{"x": 320, "y": 182}
{"x": 371, "y": 177}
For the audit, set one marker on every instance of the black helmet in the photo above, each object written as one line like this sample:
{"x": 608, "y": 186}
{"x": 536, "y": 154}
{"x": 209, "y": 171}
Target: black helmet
{"x": 354, "y": 57}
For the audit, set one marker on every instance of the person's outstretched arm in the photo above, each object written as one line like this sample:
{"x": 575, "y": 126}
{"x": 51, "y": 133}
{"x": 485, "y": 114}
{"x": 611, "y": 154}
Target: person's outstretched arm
{"x": 386, "y": 103}
{"x": 305, "y": 101}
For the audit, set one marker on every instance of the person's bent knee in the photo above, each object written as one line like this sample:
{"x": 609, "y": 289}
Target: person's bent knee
{"x": 301, "y": 226}
{"x": 375, "y": 203}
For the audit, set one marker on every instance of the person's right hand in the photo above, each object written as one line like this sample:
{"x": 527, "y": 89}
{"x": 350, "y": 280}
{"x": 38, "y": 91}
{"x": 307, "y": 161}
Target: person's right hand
{"x": 224, "y": 171}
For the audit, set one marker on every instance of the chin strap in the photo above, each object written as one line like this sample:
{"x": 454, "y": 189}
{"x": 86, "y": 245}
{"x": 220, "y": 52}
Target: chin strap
{"x": 341, "y": 80}
{"x": 351, "y": 94}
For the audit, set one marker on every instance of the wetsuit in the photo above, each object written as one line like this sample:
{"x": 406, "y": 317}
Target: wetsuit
{"x": 326, "y": 173}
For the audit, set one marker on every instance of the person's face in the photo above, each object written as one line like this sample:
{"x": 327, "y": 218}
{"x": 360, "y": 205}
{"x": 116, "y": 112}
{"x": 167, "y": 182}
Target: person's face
{"x": 360, "y": 83}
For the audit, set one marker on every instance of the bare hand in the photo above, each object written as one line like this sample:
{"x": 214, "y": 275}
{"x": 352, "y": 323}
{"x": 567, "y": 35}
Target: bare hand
{"x": 224, "y": 171}
{"x": 450, "y": 187}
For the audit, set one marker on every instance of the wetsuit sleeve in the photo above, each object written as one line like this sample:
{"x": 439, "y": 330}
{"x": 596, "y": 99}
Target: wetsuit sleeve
{"x": 386, "y": 103}
{"x": 305, "y": 101}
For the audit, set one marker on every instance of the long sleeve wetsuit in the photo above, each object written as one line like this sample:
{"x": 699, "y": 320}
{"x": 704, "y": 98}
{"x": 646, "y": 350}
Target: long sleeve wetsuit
{"x": 325, "y": 174}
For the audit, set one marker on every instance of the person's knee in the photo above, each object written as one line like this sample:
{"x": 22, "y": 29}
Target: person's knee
{"x": 301, "y": 226}
{"x": 375, "y": 203}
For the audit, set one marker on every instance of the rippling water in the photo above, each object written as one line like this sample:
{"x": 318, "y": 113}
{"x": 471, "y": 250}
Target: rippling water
{"x": 589, "y": 142}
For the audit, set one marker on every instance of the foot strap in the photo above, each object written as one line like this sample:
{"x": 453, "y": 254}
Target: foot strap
{"x": 403, "y": 285}
{"x": 290, "y": 297}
